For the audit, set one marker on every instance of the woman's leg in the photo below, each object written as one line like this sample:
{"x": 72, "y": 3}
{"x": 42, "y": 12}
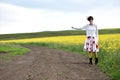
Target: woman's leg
{"x": 96, "y": 57}
{"x": 95, "y": 54}
{"x": 90, "y": 54}
{"x": 90, "y": 57}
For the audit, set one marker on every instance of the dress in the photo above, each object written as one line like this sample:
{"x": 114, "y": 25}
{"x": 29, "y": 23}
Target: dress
{"x": 91, "y": 43}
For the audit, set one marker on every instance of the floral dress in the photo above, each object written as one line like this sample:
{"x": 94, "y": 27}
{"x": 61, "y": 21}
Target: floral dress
{"x": 91, "y": 43}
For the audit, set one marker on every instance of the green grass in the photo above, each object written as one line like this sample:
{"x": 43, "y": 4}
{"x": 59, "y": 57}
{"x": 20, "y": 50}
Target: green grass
{"x": 71, "y": 48}
{"x": 54, "y": 33}
{"x": 11, "y": 50}
{"x": 110, "y": 60}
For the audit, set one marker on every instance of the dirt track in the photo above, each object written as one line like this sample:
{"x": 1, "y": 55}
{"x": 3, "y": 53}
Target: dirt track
{"x": 49, "y": 64}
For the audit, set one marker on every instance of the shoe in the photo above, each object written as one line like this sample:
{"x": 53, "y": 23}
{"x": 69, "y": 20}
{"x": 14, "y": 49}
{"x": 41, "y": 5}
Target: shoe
{"x": 90, "y": 60}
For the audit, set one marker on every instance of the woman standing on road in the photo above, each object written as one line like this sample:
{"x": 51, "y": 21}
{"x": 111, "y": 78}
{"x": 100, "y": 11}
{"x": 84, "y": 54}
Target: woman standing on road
{"x": 91, "y": 43}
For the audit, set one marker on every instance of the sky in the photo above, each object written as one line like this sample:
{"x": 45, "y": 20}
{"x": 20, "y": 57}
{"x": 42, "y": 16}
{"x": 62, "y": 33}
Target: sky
{"x": 24, "y": 16}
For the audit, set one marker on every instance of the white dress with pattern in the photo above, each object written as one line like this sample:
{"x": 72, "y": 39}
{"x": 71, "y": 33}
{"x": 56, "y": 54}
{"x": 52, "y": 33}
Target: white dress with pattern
{"x": 91, "y": 43}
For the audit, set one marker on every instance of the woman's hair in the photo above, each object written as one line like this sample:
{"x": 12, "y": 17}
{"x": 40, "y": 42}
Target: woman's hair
{"x": 89, "y": 18}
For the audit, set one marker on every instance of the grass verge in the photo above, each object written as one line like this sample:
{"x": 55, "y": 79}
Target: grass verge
{"x": 9, "y": 51}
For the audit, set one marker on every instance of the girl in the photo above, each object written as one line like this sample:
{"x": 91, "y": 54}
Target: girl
{"x": 91, "y": 43}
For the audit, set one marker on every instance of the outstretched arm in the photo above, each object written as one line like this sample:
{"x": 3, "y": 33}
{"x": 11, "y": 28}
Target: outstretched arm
{"x": 83, "y": 28}
{"x": 76, "y": 28}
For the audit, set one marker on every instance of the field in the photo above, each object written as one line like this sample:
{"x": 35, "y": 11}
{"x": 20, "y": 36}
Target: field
{"x": 53, "y": 33}
{"x": 109, "y": 44}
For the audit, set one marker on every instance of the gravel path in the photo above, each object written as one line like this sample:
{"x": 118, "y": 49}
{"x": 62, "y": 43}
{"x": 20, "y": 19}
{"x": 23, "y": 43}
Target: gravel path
{"x": 49, "y": 64}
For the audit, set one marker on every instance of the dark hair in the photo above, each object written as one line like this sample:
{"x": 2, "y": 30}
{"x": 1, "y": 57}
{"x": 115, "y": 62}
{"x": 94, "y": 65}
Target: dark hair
{"x": 89, "y": 18}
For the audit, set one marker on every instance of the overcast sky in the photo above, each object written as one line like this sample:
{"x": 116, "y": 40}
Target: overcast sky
{"x": 19, "y": 16}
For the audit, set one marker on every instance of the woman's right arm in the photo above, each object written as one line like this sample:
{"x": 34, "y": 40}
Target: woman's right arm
{"x": 83, "y": 28}
{"x": 76, "y": 28}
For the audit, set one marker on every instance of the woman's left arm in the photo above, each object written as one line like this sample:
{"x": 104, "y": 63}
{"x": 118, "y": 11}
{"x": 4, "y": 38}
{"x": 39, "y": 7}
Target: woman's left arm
{"x": 97, "y": 33}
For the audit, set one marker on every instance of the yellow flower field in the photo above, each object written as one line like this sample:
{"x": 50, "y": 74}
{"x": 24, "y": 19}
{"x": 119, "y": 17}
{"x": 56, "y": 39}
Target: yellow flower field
{"x": 66, "y": 39}
{"x": 107, "y": 42}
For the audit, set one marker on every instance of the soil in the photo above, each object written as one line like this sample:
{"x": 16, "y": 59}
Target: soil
{"x": 50, "y": 64}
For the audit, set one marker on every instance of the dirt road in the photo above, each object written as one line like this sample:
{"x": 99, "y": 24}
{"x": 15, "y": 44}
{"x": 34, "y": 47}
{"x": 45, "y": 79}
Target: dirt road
{"x": 49, "y": 64}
